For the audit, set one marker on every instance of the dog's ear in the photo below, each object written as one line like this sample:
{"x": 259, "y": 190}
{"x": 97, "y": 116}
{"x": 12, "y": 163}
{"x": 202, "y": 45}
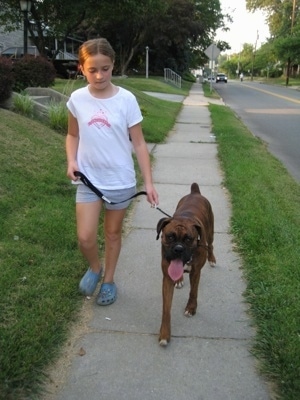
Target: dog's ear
{"x": 160, "y": 225}
{"x": 200, "y": 229}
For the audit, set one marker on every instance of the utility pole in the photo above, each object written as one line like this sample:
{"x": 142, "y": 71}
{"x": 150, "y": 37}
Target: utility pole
{"x": 147, "y": 61}
{"x": 289, "y": 59}
{"x": 254, "y": 54}
{"x": 239, "y": 61}
{"x": 293, "y": 15}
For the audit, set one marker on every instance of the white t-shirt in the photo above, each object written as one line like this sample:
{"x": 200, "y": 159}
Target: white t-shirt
{"x": 105, "y": 152}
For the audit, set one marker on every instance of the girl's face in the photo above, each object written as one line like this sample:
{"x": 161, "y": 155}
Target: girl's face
{"x": 98, "y": 71}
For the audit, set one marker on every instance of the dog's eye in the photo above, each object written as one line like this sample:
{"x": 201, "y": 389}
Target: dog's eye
{"x": 170, "y": 237}
{"x": 188, "y": 239}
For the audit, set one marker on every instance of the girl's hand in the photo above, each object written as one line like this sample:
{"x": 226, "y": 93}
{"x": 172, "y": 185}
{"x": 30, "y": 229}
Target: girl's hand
{"x": 152, "y": 196}
{"x": 72, "y": 167}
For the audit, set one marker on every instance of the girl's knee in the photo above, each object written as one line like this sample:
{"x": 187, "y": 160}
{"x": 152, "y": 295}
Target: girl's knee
{"x": 113, "y": 236}
{"x": 86, "y": 241}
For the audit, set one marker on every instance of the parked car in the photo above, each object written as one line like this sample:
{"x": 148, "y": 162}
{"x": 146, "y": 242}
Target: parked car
{"x": 221, "y": 78}
{"x": 17, "y": 52}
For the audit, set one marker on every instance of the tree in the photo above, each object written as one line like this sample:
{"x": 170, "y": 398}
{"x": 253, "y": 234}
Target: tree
{"x": 281, "y": 15}
{"x": 177, "y": 31}
{"x": 123, "y": 21}
{"x": 248, "y": 63}
{"x": 179, "y": 37}
{"x": 288, "y": 48}
{"x": 126, "y": 27}
{"x": 284, "y": 23}
{"x": 52, "y": 19}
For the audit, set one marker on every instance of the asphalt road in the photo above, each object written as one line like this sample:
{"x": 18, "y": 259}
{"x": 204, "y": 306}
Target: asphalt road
{"x": 271, "y": 113}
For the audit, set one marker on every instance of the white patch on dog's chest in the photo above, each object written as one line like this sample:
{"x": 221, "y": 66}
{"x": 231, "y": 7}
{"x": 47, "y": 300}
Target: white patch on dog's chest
{"x": 187, "y": 267}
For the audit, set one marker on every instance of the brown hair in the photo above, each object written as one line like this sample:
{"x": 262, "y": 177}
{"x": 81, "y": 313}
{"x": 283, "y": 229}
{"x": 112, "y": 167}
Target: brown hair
{"x": 93, "y": 47}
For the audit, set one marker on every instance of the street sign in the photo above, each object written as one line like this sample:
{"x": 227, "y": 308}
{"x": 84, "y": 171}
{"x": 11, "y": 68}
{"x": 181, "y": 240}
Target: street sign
{"x": 212, "y": 51}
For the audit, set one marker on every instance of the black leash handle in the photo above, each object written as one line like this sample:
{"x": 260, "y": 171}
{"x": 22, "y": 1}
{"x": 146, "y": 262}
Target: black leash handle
{"x": 163, "y": 212}
{"x": 89, "y": 184}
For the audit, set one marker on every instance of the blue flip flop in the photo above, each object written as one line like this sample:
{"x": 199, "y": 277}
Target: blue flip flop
{"x": 89, "y": 282}
{"x": 107, "y": 294}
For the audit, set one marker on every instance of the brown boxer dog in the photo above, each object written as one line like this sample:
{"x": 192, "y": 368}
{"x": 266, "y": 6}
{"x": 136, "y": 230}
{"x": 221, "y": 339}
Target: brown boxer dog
{"x": 186, "y": 244}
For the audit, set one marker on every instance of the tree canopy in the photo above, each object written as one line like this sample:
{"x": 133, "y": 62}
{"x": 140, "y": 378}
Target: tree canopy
{"x": 282, "y": 15}
{"x": 176, "y": 31}
{"x": 284, "y": 24}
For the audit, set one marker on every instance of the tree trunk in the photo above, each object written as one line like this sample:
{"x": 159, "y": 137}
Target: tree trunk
{"x": 288, "y": 72}
{"x": 125, "y": 60}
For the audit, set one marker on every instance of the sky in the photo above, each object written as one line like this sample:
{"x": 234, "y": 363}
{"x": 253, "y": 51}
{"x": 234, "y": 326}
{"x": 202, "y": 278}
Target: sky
{"x": 244, "y": 27}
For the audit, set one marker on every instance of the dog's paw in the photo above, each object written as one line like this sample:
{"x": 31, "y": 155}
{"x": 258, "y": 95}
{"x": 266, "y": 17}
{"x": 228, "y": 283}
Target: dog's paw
{"x": 163, "y": 342}
{"x": 187, "y": 313}
{"x": 179, "y": 284}
{"x": 163, "y": 339}
{"x": 212, "y": 263}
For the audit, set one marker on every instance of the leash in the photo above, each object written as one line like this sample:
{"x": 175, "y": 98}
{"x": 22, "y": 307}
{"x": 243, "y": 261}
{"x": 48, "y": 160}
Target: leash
{"x": 163, "y": 212}
{"x": 89, "y": 184}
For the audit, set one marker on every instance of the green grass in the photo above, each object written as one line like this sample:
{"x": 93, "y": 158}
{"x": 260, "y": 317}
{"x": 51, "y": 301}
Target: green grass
{"x": 40, "y": 262}
{"x": 158, "y": 114}
{"x": 266, "y": 227}
{"x": 210, "y": 92}
{"x": 153, "y": 84}
{"x": 41, "y": 265}
{"x": 282, "y": 81}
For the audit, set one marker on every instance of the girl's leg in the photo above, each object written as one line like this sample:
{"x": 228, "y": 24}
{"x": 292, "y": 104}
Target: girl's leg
{"x": 113, "y": 222}
{"x": 87, "y": 215}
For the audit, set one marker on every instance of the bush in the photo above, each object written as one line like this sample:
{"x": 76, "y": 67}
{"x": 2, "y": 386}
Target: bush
{"x": 32, "y": 71}
{"x": 275, "y": 72}
{"x": 58, "y": 116}
{"x": 23, "y": 104}
{"x": 188, "y": 76}
{"x": 6, "y": 79}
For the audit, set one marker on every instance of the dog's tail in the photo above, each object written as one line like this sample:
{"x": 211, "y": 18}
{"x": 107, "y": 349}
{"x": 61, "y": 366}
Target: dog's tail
{"x": 195, "y": 188}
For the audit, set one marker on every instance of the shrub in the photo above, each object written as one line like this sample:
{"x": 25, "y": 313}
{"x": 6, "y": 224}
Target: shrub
{"x": 188, "y": 76}
{"x": 58, "y": 116}
{"x": 23, "y": 104}
{"x": 275, "y": 72}
{"x": 6, "y": 79}
{"x": 32, "y": 71}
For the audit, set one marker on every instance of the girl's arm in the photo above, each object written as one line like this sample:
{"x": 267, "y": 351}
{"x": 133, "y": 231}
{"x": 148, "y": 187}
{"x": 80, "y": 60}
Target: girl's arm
{"x": 142, "y": 154}
{"x": 72, "y": 141}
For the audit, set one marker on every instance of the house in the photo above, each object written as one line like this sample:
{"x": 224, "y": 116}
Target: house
{"x": 10, "y": 39}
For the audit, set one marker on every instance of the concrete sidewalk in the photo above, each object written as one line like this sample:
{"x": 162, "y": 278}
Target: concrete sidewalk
{"x": 118, "y": 357}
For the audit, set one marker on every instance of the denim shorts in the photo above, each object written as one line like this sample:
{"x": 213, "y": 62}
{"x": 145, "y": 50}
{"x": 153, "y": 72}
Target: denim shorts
{"x": 86, "y": 195}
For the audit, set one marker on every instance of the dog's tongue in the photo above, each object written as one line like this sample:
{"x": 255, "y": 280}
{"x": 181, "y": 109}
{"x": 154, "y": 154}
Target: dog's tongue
{"x": 175, "y": 270}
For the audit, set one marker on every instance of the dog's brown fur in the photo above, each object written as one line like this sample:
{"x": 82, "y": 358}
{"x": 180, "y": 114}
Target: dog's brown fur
{"x": 187, "y": 237}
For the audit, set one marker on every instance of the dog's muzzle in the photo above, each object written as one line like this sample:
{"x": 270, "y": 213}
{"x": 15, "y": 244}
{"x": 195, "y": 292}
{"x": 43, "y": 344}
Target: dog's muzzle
{"x": 178, "y": 249}
{"x": 177, "y": 255}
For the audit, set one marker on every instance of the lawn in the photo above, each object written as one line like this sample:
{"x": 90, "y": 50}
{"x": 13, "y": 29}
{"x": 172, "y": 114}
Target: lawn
{"x": 266, "y": 226}
{"x": 41, "y": 265}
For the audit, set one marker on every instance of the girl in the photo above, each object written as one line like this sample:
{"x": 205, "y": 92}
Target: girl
{"x": 104, "y": 123}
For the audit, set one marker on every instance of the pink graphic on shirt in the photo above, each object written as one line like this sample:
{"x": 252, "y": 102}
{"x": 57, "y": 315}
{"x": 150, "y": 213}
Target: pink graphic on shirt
{"x": 99, "y": 119}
